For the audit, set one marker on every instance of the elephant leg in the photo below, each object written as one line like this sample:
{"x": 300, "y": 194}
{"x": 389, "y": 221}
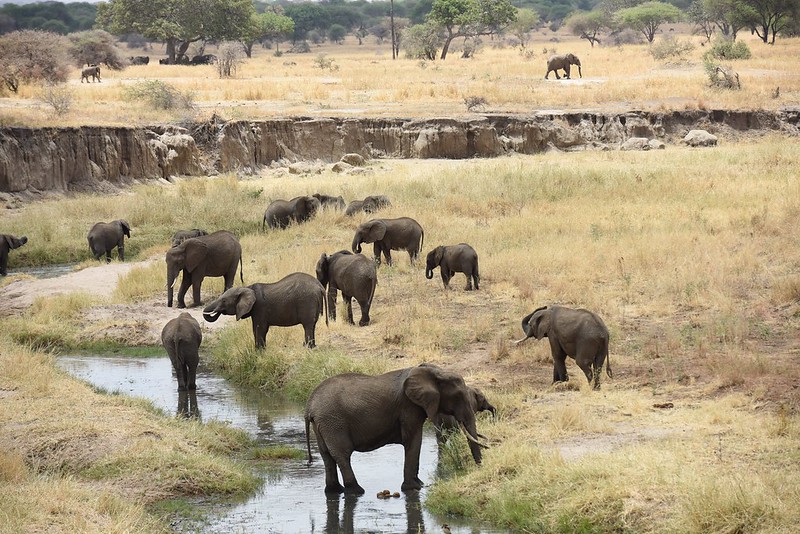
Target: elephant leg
{"x": 332, "y": 294}
{"x": 260, "y": 333}
{"x": 186, "y": 281}
{"x": 364, "y": 313}
{"x": 121, "y": 252}
{"x": 191, "y": 376}
{"x": 309, "y": 329}
{"x": 556, "y": 73}
{"x": 584, "y": 361}
{"x": 445, "y": 277}
{"x": 108, "y": 256}
{"x": 197, "y": 281}
{"x": 376, "y": 250}
{"x": 348, "y": 304}
{"x": 477, "y": 278}
{"x": 559, "y": 366}
{"x": 412, "y": 443}
{"x": 387, "y": 252}
{"x": 332, "y": 484}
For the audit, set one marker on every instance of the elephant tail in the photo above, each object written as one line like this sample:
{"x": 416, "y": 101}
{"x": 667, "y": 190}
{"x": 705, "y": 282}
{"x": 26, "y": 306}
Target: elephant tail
{"x": 308, "y": 438}
{"x": 372, "y": 293}
{"x": 241, "y": 269}
{"x": 421, "y": 240}
{"x": 604, "y": 356}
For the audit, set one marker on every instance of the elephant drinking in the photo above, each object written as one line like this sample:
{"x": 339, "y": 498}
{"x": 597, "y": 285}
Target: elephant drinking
{"x": 181, "y": 338}
{"x": 452, "y": 259}
{"x": 8, "y": 242}
{"x": 355, "y": 412}
{"x": 355, "y": 276}
{"x": 390, "y": 234}
{"x": 103, "y": 237}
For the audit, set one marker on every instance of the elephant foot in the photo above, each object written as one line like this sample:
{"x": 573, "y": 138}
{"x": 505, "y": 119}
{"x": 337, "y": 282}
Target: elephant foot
{"x": 181, "y": 304}
{"x": 192, "y": 387}
{"x": 354, "y": 490}
{"x": 363, "y": 322}
{"x": 334, "y": 488}
{"x": 412, "y": 485}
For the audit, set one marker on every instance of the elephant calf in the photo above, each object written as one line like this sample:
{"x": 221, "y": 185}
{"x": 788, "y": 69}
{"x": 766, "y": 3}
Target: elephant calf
{"x": 282, "y": 213}
{"x": 579, "y": 333}
{"x": 298, "y": 298}
{"x": 390, "y": 234}
{"x": 370, "y": 204}
{"x": 103, "y": 237}
{"x": 8, "y": 242}
{"x": 452, "y": 259}
{"x": 92, "y": 71}
{"x": 562, "y": 62}
{"x": 327, "y": 201}
{"x": 182, "y": 235}
{"x": 181, "y": 338}
{"x": 355, "y": 275}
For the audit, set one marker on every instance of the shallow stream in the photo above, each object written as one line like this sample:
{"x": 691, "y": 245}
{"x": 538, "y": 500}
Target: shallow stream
{"x": 292, "y": 499}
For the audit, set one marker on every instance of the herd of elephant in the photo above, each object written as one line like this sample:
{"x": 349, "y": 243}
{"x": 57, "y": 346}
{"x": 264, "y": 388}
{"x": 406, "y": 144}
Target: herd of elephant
{"x": 348, "y": 412}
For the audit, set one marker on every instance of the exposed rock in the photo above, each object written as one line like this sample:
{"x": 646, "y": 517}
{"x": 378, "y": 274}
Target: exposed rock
{"x": 655, "y": 144}
{"x": 635, "y": 143}
{"x": 356, "y": 160}
{"x": 341, "y": 166}
{"x": 700, "y": 138}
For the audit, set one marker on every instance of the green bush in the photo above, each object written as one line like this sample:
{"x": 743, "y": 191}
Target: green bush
{"x": 728, "y": 50}
{"x": 671, "y": 48}
{"x": 159, "y": 95}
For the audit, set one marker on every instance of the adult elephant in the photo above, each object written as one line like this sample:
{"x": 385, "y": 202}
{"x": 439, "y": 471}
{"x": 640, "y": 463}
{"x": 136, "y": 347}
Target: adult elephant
{"x": 328, "y": 201}
{"x": 562, "y": 62}
{"x": 103, "y": 237}
{"x": 8, "y": 242}
{"x": 355, "y": 275}
{"x": 182, "y": 235}
{"x": 355, "y": 412}
{"x": 217, "y": 254}
{"x": 452, "y": 259}
{"x": 281, "y": 213}
{"x": 370, "y": 204}
{"x": 578, "y": 333}
{"x": 181, "y": 338}
{"x": 92, "y": 71}
{"x": 390, "y": 234}
{"x": 295, "y": 299}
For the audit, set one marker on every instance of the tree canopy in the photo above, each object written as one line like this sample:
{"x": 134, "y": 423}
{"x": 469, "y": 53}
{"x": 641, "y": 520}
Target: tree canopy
{"x": 470, "y": 18}
{"x": 648, "y": 17}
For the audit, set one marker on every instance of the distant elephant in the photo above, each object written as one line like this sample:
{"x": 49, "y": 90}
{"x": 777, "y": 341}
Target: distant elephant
{"x": 562, "y": 62}
{"x": 579, "y": 333}
{"x": 452, "y": 259}
{"x": 327, "y": 201}
{"x": 93, "y": 71}
{"x": 295, "y": 299}
{"x": 139, "y": 60}
{"x": 281, "y": 213}
{"x": 355, "y": 412}
{"x": 182, "y": 235}
{"x": 370, "y": 204}
{"x": 355, "y": 275}
{"x": 217, "y": 254}
{"x": 181, "y": 338}
{"x": 390, "y": 234}
{"x": 103, "y": 237}
{"x": 8, "y": 242}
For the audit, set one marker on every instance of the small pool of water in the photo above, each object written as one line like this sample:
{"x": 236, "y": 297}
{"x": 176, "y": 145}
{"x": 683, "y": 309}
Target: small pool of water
{"x": 293, "y": 499}
{"x": 46, "y": 271}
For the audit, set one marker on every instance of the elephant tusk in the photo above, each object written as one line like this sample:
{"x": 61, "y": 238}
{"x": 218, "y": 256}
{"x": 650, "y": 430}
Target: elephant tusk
{"x": 521, "y": 340}
{"x": 470, "y": 438}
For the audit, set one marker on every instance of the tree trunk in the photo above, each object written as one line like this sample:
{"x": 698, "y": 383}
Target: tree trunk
{"x": 248, "y": 49}
{"x": 446, "y": 45}
{"x": 182, "y": 48}
{"x": 171, "y": 50}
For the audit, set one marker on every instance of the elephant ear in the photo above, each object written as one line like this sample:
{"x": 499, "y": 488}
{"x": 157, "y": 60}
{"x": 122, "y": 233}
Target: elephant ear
{"x": 376, "y": 231}
{"x": 245, "y": 302}
{"x": 540, "y": 323}
{"x": 196, "y": 252}
{"x": 9, "y": 240}
{"x": 438, "y": 255}
{"x": 126, "y": 228}
{"x": 421, "y": 388}
{"x": 322, "y": 269}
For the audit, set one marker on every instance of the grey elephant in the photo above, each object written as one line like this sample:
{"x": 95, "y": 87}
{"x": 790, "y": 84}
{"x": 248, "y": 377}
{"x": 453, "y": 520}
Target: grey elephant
{"x": 103, "y": 237}
{"x": 562, "y": 62}
{"x": 92, "y": 71}
{"x": 578, "y": 333}
{"x": 182, "y": 235}
{"x": 452, "y": 259}
{"x": 390, "y": 234}
{"x": 370, "y": 204}
{"x": 217, "y": 254}
{"x": 281, "y": 213}
{"x": 8, "y": 242}
{"x": 298, "y": 298}
{"x": 355, "y": 412}
{"x": 181, "y": 338}
{"x": 355, "y": 276}
{"x": 328, "y": 201}
{"x": 446, "y": 423}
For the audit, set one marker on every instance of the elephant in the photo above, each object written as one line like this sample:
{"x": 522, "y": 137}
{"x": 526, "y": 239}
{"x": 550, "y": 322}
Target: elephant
{"x": 217, "y": 254}
{"x": 446, "y": 423}
{"x": 355, "y": 275}
{"x": 93, "y": 71}
{"x": 203, "y": 59}
{"x": 103, "y": 237}
{"x": 139, "y": 60}
{"x": 8, "y": 242}
{"x": 295, "y": 299}
{"x": 578, "y": 333}
{"x": 370, "y": 204}
{"x": 181, "y": 338}
{"x": 452, "y": 259}
{"x": 281, "y": 213}
{"x": 562, "y": 62}
{"x": 327, "y": 201}
{"x": 182, "y": 235}
{"x": 390, "y": 234}
{"x": 356, "y": 412}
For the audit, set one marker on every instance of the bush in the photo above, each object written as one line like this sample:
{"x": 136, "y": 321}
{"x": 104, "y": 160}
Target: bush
{"x": 670, "y": 48}
{"x": 95, "y": 47}
{"x": 722, "y": 77}
{"x": 422, "y": 41}
{"x": 300, "y": 48}
{"x": 159, "y": 95}
{"x": 33, "y": 56}
{"x": 322, "y": 62}
{"x": 59, "y": 97}
{"x": 728, "y": 50}
{"x": 229, "y": 56}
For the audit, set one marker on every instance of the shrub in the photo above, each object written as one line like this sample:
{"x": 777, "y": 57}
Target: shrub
{"x": 300, "y": 48}
{"x": 722, "y": 77}
{"x": 229, "y": 56}
{"x": 671, "y": 48}
{"x": 475, "y": 102}
{"x": 728, "y": 50}
{"x": 96, "y": 47}
{"x": 322, "y": 62}
{"x": 159, "y": 95}
{"x": 33, "y": 56}
{"x": 422, "y": 41}
{"x": 59, "y": 97}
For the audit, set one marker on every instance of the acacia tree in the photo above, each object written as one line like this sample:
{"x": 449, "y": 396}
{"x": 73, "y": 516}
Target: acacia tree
{"x": 704, "y": 22}
{"x": 178, "y": 23}
{"x": 526, "y": 20}
{"x": 269, "y": 25}
{"x": 589, "y": 24}
{"x": 33, "y": 56}
{"x": 470, "y": 18}
{"x": 729, "y": 16}
{"x": 768, "y": 17}
{"x": 96, "y": 47}
{"x": 648, "y": 17}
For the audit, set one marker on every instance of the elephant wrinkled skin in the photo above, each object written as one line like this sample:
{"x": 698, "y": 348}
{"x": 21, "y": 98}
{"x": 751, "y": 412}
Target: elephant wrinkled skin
{"x": 281, "y": 213}
{"x": 181, "y": 338}
{"x": 295, "y": 299}
{"x": 103, "y": 237}
{"x": 562, "y": 62}
{"x": 452, "y": 259}
{"x": 390, "y": 234}
{"x": 8, "y": 242}
{"x": 355, "y": 412}
{"x": 355, "y": 276}
{"x": 578, "y": 333}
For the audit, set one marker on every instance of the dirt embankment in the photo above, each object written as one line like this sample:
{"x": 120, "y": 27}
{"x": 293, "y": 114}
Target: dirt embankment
{"x": 99, "y": 158}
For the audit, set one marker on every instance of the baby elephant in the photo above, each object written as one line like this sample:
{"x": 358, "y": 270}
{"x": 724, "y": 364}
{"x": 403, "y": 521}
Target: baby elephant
{"x": 182, "y": 235}
{"x": 93, "y": 71}
{"x": 355, "y": 275}
{"x": 181, "y": 338}
{"x": 453, "y": 259}
{"x": 103, "y": 237}
{"x": 8, "y": 242}
{"x": 579, "y": 333}
{"x": 328, "y": 201}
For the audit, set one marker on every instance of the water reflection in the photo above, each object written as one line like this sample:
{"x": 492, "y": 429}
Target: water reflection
{"x": 292, "y": 499}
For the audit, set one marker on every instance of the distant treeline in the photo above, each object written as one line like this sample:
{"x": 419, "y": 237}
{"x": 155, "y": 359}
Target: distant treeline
{"x": 50, "y": 16}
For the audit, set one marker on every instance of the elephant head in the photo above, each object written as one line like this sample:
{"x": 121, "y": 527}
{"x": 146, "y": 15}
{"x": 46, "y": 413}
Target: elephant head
{"x": 322, "y": 270}
{"x": 187, "y": 255}
{"x": 369, "y": 232}
{"x": 374, "y": 203}
{"x": 433, "y": 260}
{"x": 537, "y": 323}
{"x": 14, "y": 242}
{"x": 236, "y": 301}
{"x": 573, "y": 60}
{"x": 441, "y": 392}
{"x": 124, "y": 226}
{"x": 306, "y": 207}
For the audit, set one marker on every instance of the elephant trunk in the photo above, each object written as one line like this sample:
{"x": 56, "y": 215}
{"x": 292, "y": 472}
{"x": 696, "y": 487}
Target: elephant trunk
{"x": 475, "y": 446}
{"x": 23, "y": 240}
{"x": 356, "y": 244}
{"x": 429, "y": 274}
{"x": 210, "y": 313}
{"x": 172, "y": 277}
{"x": 580, "y": 74}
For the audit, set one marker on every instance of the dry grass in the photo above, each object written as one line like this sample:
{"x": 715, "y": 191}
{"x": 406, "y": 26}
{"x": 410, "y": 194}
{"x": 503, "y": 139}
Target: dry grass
{"x": 266, "y": 86}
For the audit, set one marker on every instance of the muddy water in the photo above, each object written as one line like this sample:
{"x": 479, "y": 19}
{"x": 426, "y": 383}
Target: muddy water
{"x": 292, "y": 499}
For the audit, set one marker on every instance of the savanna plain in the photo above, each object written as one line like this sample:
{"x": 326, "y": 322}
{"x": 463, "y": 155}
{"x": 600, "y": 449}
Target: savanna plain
{"x": 691, "y": 256}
